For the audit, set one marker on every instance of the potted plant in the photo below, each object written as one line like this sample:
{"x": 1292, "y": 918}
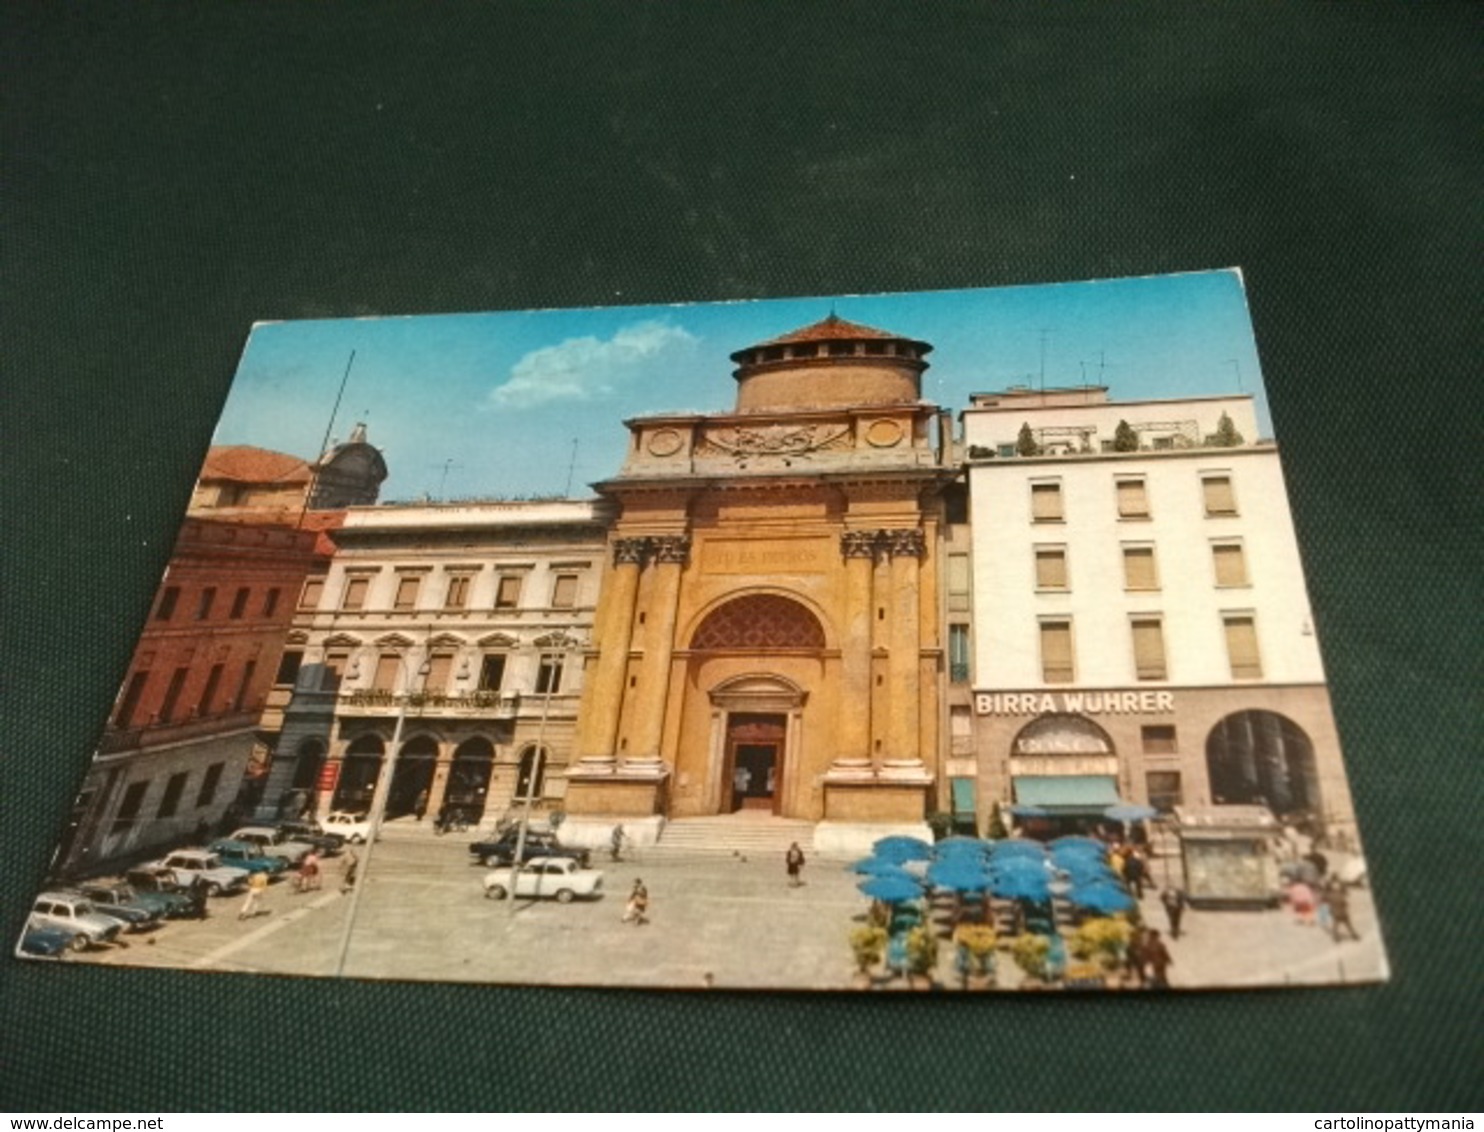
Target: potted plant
{"x": 976, "y": 947}
{"x": 1030, "y": 952}
{"x": 922, "y": 956}
{"x": 1102, "y": 941}
{"x": 869, "y": 945}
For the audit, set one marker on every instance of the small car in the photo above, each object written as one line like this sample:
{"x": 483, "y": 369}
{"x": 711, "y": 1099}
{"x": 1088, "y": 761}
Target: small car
{"x": 186, "y": 865}
{"x": 354, "y": 828}
{"x": 134, "y": 917}
{"x": 327, "y": 844}
{"x": 156, "y": 886}
{"x": 539, "y": 843}
{"x": 44, "y": 941}
{"x": 72, "y": 912}
{"x": 560, "y": 878}
{"x": 274, "y": 843}
{"x": 246, "y": 855}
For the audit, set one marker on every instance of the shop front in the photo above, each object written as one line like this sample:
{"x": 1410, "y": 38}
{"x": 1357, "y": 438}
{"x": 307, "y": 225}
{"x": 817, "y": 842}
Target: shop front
{"x": 1063, "y": 776}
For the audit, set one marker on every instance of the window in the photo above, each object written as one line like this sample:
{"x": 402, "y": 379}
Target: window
{"x": 956, "y": 505}
{"x": 549, "y": 675}
{"x": 270, "y": 601}
{"x": 1051, "y": 567}
{"x": 1241, "y": 647}
{"x": 244, "y": 685}
{"x": 309, "y": 596}
{"x": 208, "y": 692}
{"x": 1139, "y": 572}
{"x": 1216, "y": 491}
{"x": 458, "y": 592}
{"x": 288, "y": 666}
{"x": 387, "y": 666}
{"x": 208, "y": 599}
{"x": 492, "y": 672}
{"x": 1149, "y": 648}
{"x": 129, "y": 808}
{"x": 1159, "y": 739}
{"x": 355, "y": 593}
{"x": 1046, "y": 503}
{"x": 958, "y": 582}
{"x": 564, "y": 591}
{"x": 239, "y": 603}
{"x": 170, "y": 800}
{"x": 1056, "y": 652}
{"x": 1164, "y": 789}
{"x": 329, "y": 678}
{"x": 166, "y": 608}
{"x": 507, "y": 595}
{"x": 172, "y": 693}
{"x": 958, "y": 653}
{"x": 1231, "y": 564}
{"x": 440, "y": 667}
{"x": 1133, "y": 499}
{"x": 130, "y": 703}
{"x": 407, "y": 587}
{"x": 209, "y": 782}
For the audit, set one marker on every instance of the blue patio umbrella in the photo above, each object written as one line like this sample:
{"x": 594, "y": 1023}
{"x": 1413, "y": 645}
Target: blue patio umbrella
{"x": 1004, "y": 850}
{"x": 1020, "y": 884}
{"x": 971, "y": 851}
{"x": 960, "y": 876}
{"x": 1074, "y": 855}
{"x": 898, "y": 848}
{"x": 891, "y": 889}
{"x": 875, "y": 867}
{"x": 958, "y": 843}
{"x": 1078, "y": 841}
{"x": 1102, "y": 896}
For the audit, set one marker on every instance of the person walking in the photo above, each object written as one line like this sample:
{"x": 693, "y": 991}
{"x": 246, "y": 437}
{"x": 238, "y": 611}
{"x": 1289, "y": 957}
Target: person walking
{"x": 1339, "y": 911}
{"x": 1174, "y": 901}
{"x": 615, "y": 843}
{"x": 348, "y": 871}
{"x": 1159, "y": 960}
{"x": 1301, "y": 899}
{"x": 1134, "y": 871}
{"x": 793, "y": 861}
{"x": 257, "y": 884}
{"x": 638, "y": 905}
{"x": 309, "y": 872}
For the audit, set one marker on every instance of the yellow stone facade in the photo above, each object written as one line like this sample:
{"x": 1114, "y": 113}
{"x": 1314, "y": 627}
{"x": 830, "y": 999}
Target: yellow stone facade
{"x": 768, "y": 629}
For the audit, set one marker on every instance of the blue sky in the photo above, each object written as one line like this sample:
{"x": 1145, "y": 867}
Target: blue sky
{"x": 481, "y": 405}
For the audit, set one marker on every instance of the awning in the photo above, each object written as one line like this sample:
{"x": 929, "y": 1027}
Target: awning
{"x": 1070, "y": 794}
{"x": 963, "y": 795}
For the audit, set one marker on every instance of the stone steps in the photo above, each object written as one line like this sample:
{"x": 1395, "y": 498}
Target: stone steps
{"x": 733, "y": 835}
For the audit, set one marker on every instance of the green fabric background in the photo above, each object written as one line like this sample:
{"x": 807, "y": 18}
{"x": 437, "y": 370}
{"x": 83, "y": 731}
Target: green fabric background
{"x": 172, "y": 172}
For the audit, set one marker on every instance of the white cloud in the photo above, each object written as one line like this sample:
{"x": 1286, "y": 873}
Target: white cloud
{"x": 582, "y": 368}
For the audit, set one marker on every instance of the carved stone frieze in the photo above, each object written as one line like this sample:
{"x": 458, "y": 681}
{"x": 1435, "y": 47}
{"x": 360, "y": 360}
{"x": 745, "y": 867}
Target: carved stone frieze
{"x": 743, "y": 442}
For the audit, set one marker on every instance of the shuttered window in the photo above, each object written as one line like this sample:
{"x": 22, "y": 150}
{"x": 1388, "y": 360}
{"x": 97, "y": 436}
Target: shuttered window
{"x": 1241, "y": 647}
{"x": 407, "y": 588}
{"x": 440, "y": 667}
{"x": 385, "y": 679}
{"x": 1149, "y": 648}
{"x": 1046, "y": 502}
{"x": 1231, "y": 564}
{"x": 310, "y": 595}
{"x": 1133, "y": 500}
{"x": 458, "y": 592}
{"x": 1217, "y": 492}
{"x": 508, "y": 594}
{"x": 958, "y": 582}
{"x": 1056, "y": 652}
{"x": 1139, "y": 572}
{"x": 564, "y": 591}
{"x": 355, "y": 593}
{"x": 1051, "y": 568}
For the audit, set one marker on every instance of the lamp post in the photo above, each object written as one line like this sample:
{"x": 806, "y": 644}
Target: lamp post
{"x": 378, "y": 809}
{"x": 562, "y": 641}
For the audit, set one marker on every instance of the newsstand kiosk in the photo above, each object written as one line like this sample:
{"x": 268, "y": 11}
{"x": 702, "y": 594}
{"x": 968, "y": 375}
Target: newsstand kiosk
{"x": 1230, "y": 855}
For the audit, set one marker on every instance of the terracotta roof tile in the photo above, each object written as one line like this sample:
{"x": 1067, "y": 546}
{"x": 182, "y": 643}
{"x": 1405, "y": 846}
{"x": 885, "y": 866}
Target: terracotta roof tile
{"x": 832, "y": 328}
{"x": 245, "y": 464}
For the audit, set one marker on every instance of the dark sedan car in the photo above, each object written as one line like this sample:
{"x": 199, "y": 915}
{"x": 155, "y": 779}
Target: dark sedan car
{"x": 539, "y": 843}
{"x": 119, "y": 902}
{"x": 328, "y": 844}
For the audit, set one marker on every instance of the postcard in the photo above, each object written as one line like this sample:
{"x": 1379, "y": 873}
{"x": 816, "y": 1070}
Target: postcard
{"x": 952, "y": 640}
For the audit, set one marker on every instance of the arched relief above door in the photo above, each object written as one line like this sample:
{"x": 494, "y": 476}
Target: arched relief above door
{"x": 758, "y": 621}
{"x": 758, "y": 692}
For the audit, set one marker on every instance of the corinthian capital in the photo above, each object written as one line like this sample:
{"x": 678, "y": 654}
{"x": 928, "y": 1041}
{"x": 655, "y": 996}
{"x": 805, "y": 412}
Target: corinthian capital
{"x": 671, "y": 548}
{"x": 629, "y": 550}
{"x": 859, "y": 544}
{"x": 905, "y": 542}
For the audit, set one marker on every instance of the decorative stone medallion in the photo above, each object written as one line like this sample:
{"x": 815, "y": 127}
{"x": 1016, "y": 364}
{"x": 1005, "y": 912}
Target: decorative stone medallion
{"x": 665, "y": 442}
{"x": 883, "y": 434}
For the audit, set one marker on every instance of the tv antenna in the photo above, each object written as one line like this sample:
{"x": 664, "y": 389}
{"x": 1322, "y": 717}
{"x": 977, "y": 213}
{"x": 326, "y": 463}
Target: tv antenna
{"x": 1045, "y": 337}
{"x": 443, "y": 479}
{"x": 571, "y": 467}
{"x": 1237, "y": 365}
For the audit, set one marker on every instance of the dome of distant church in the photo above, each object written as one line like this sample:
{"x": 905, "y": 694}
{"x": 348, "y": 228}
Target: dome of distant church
{"x": 830, "y": 364}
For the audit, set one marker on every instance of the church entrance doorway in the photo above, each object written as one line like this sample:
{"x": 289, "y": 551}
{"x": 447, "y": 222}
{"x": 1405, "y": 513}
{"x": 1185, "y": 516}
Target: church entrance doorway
{"x": 755, "y": 753}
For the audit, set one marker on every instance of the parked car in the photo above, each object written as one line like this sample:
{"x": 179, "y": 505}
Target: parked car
{"x": 72, "y": 912}
{"x": 185, "y": 865}
{"x": 327, "y": 843}
{"x": 246, "y": 855}
{"x": 156, "y": 884}
{"x": 355, "y": 828}
{"x": 163, "y": 905}
{"x": 539, "y": 843}
{"x": 274, "y": 843}
{"x": 134, "y": 917}
{"x": 559, "y": 878}
{"x": 46, "y": 941}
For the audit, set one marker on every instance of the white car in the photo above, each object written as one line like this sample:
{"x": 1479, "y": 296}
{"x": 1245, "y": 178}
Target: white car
{"x": 559, "y": 878}
{"x": 355, "y": 828}
{"x": 73, "y": 913}
{"x": 188, "y": 864}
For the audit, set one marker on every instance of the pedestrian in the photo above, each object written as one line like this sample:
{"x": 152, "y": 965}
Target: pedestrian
{"x": 1135, "y": 960}
{"x": 1133, "y": 871}
{"x": 1174, "y": 901}
{"x": 309, "y": 872}
{"x": 615, "y": 844}
{"x": 1117, "y": 861}
{"x": 1301, "y": 899}
{"x": 348, "y": 870}
{"x": 1158, "y": 957}
{"x": 1339, "y": 911}
{"x": 257, "y": 884}
{"x": 793, "y": 860}
{"x": 420, "y": 807}
{"x": 198, "y": 892}
{"x": 635, "y": 910}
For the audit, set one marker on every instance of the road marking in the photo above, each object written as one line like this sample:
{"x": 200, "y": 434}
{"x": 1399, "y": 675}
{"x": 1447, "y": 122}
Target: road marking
{"x": 278, "y": 923}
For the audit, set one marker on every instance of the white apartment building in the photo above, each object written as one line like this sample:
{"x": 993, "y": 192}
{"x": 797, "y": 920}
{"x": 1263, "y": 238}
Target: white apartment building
{"x": 470, "y": 618}
{"x": 1141, "y": 632}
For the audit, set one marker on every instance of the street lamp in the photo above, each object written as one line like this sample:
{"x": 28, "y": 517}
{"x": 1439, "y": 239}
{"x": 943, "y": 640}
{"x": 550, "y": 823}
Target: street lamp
{"x": 378, "y": 806}
{"x": 558, "y": 644}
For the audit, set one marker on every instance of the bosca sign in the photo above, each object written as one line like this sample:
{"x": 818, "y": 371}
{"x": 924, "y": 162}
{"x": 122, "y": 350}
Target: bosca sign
{"x": 1074, "y": 703}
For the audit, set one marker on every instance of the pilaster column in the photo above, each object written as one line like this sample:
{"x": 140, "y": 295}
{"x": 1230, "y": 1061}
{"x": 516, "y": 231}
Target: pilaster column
{"x": 906, "y": 547}
{"x": 854, "y": 727}
{"x": 600, "y": 731}
{"x": 670, "y": 553}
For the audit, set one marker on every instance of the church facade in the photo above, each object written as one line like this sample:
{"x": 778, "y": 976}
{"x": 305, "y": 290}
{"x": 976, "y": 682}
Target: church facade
{"x": 768, "y": 632}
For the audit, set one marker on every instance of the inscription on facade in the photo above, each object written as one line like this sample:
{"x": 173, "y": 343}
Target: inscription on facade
{"x": 777, "y": 556}
{"x": 1074, "y": 703}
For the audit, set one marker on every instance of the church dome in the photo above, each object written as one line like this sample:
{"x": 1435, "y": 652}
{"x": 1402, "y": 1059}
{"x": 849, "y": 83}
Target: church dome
{"x": 830, "y": 364}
